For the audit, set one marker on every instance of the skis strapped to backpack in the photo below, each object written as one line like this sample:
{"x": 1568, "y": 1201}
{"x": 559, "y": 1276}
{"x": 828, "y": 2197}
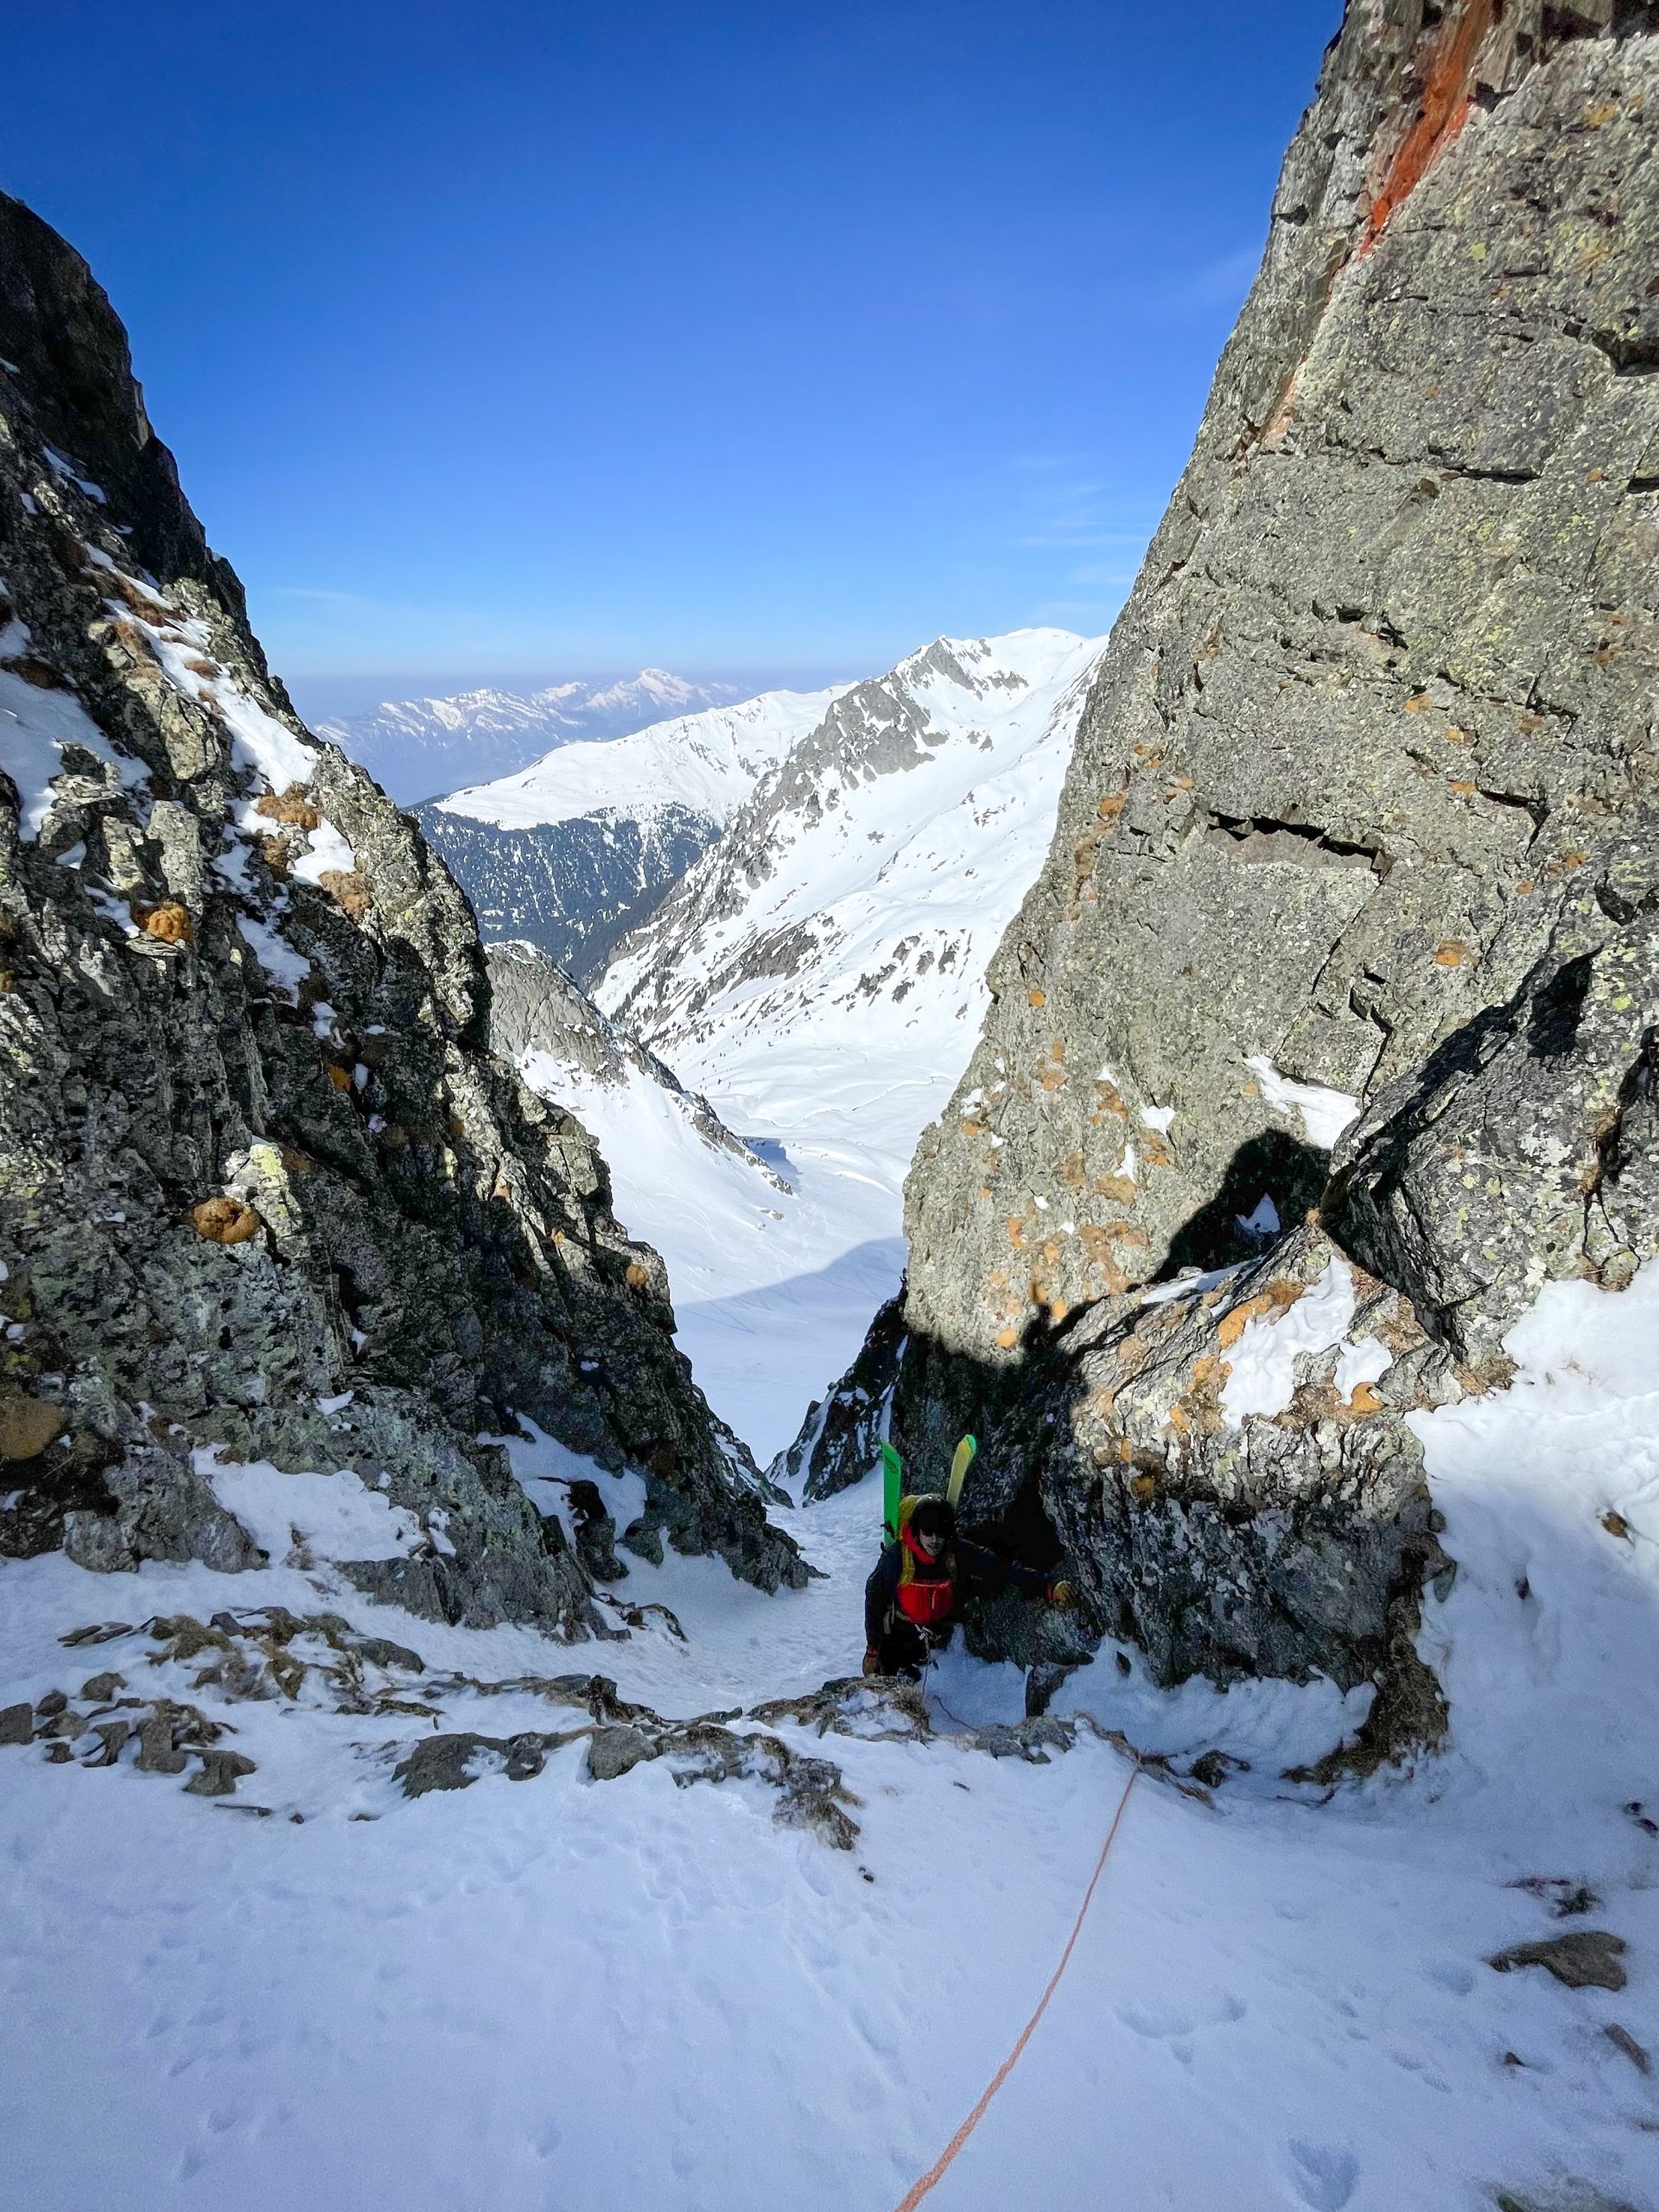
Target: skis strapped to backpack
{"x": 892, "y": 1484}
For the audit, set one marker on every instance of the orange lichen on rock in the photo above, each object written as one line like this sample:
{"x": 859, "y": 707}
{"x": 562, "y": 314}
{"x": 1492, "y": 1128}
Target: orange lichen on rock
{"x": 1453, "y": 953}
{"x": 352, "y": 892}
{"x": 638, "y": 1276}
{"x": 340, "y": 1077}
{"x": 1448, "y": 92}
{"x": 224, "y": 1221}
{"x": 295, "y": 808}
{"x": 1036, "y": 998}
{"x": 170, "y": 922}
{"x": 1116, "y": 1190}
{"x": 1006, "y": 1338}
{"x": 1108, "y": 1100}
{"x": 1278, "y": 1298}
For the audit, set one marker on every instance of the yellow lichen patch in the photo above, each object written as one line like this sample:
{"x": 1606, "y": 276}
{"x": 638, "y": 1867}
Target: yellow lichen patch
{"x": 295, "y": 807}
{"x": 1417, "y": 702}
{"x": 1108, "y": 1100}
{"x": 1142, "y": 1488}
{"x": 638, "y": 1276}
{"x": 972, "y": 1128}
{"x": 1364, "y": 1400}
{"x": 340, "y": 1077}
{"x": 1464, "y": 790}
{"x": 350, "y": 892}
{"x": 274, "y": 852}
{"x": 1054, "y": 1079}
{"x": 1058, "y": 1310}
{"x": 1008, "y": 1339}
{"x": 1116, "y": 1190}
{"x": 1154, "y": 1151}
{"x": 1036, "y": 998}
{"x": 1072, "y": 1171}
{"x": 1453, "y": 953}
{"x": 224, "y": 1221}
{"x": 1573, "y": 860}
{"x": 1525, "y": 885}
{"x": 27, "y": 1426}
{"x": 168, "y": 922}
{"x": 1017, "y": 1231}
{"x": 1111, "y": 806}
{"x": 1603, "y": 111}
{"x": 1178, "y": 1419}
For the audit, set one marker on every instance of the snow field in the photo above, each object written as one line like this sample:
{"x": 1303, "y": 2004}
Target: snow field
{"x": 567, "y": 1994}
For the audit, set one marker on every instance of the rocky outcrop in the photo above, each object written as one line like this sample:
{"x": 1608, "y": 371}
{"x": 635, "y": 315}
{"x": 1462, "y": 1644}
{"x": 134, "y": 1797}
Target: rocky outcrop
{"x": 262, "y": 1186}
{"x": 536, "y": 1010}
{"x": 1358, "y": 831}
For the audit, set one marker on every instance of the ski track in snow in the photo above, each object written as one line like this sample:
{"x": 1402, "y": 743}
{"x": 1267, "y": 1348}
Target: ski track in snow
{"x": 576, "y": 1995}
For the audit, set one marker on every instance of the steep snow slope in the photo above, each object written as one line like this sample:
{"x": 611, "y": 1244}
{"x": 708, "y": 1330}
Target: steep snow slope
{"x": 416, "y": 746}
{"x": 579, "y": 846}
{"x": 745, "y": 1238}
{"x": 585, "y": 1993}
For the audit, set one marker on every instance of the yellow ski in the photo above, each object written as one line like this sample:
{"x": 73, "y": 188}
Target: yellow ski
{"x": 959, "y": 1467}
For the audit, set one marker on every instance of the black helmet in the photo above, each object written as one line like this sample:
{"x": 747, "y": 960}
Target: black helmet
{"x": 934, "y": 1516}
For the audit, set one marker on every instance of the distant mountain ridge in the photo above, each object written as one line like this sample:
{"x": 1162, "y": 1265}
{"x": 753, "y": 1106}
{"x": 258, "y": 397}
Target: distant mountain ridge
{"x": 417, "y": 748}
{"x": 578, "y": 848}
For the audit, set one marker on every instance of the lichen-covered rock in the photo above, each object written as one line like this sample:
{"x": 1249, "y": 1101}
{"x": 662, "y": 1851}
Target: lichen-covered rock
{"x": 256, "y": 1159}
{"x": 1524, "y": 1148}
{"x": 1359, "y": 825}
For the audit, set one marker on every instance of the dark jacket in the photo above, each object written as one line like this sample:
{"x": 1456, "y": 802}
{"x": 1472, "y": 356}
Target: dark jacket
{"x": 975, "y": 1569}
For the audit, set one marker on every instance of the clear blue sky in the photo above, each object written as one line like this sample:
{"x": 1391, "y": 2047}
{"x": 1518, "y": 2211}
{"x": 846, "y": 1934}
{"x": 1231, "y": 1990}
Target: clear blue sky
{"x": 500, "y": 336}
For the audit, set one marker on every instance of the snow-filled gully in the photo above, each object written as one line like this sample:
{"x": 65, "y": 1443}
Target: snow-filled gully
{"x": 574, "y": 1994}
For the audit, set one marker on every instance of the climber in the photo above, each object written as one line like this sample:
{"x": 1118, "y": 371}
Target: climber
{"x": 910, "y": 1601}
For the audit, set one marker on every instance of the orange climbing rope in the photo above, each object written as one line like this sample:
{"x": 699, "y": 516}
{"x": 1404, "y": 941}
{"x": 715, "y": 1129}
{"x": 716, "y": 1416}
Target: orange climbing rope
{"x": 941, "y": 2165}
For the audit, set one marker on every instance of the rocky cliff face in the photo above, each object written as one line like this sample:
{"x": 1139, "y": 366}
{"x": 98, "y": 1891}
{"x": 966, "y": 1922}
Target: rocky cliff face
{"x": 263, "y": 1192}
{"x": 1359, "y": 831}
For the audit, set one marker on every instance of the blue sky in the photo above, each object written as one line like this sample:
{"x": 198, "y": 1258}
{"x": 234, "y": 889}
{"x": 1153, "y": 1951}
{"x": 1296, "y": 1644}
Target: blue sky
{"x": 531, "y": 337}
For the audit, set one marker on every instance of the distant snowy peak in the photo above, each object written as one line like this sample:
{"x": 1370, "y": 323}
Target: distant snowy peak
{"x": 895, "y": 841}
{"x": 705, "y": 764}
{"x": 416, "y": 747}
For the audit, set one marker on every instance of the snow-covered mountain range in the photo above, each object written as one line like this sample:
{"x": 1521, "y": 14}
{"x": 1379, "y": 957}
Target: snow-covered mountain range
{"x": 831, "y": 949}
{"x": 573, "y": 850}
{"x": 414, "y": 747}
{"x": 819, "y": 974}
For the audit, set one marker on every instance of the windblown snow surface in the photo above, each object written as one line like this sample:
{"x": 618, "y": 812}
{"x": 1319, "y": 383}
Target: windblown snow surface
{"x": 891, "y": 888}
{"x": 564, "y": 1995}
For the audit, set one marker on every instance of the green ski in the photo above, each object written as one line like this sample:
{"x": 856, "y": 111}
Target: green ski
{"x": 893, "y": 1470}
